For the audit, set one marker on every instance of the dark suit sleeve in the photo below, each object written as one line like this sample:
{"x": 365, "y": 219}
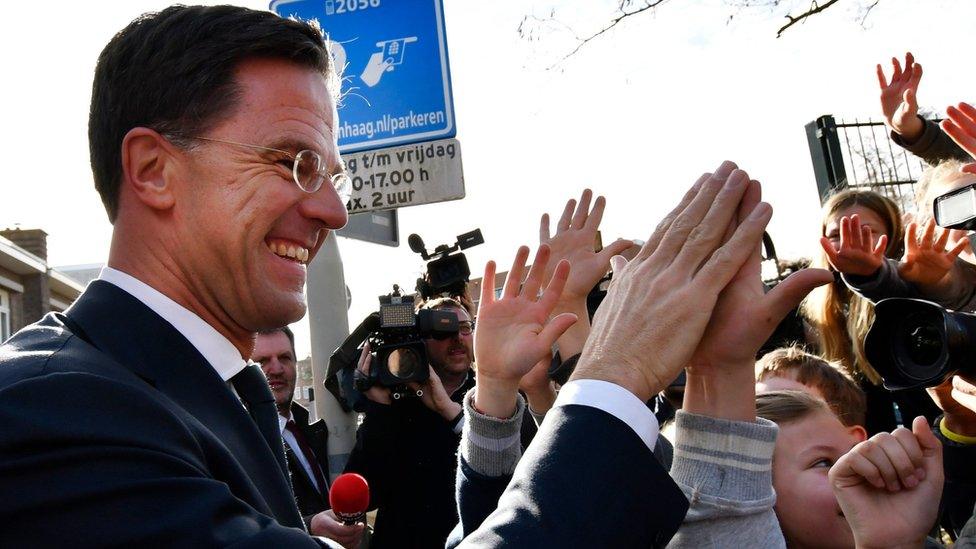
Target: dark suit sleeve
{"x": 87, "y": 460}
{"x": 477, "y": 496}
{"x": 587, "y": 480}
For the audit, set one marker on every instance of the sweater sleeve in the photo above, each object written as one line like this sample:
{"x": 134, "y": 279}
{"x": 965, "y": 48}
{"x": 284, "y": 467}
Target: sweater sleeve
{"x": 933, "y": 146}
{"x": 724, "y": 469}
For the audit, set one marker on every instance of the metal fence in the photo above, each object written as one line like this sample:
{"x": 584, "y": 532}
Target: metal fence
{"x": 860, "y": 154}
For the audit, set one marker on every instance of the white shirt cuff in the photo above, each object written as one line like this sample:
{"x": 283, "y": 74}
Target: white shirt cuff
{"x": 614, "y": 400}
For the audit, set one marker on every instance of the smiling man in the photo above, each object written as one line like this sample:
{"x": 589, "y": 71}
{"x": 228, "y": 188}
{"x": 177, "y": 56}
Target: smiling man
{"x": 133, "y": 419}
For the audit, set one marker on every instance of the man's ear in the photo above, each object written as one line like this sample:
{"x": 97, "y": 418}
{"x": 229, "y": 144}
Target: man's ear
{"x": 148, "y": 164}
{"x": 859, "y": 432}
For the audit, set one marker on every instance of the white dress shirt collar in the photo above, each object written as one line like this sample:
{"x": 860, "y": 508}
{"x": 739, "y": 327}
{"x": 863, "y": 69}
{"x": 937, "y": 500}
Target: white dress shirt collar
{"x": 215, "y": 348}
{"x": 282, "y": 421}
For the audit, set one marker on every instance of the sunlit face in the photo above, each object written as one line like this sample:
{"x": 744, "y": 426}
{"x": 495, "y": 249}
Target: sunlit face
{"x": 273, "y": 352}
{"x": 454, "y": 354}
{"x": 868, "y": 218}
{"x": 808, "y": 512}
{"x": 240, "y": 210}
{"x": 785, "y": 381}
{"x": 941, "y": 187}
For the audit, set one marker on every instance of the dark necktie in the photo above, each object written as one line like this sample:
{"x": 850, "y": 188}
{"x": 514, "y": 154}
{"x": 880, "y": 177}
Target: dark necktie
{"x": 306, "y": 449}
{"x": 252, "y": 387}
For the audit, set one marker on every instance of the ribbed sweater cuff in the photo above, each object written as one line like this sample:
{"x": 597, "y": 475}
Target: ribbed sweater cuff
{"x": 491, "y": 446}
{"x": 723, "y": 459}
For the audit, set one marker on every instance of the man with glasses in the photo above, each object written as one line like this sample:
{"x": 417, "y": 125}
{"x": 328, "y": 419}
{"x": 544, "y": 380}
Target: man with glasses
{"x": 407, "y": 449}
{"x": 133, "y": 419}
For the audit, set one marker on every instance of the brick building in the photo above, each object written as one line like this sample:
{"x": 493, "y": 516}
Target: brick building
{"x": 29, "y": 287}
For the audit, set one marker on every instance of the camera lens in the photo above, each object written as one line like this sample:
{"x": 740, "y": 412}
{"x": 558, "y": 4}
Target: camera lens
{"x": 404, "y": 363}
{"x": 920, "y": 340}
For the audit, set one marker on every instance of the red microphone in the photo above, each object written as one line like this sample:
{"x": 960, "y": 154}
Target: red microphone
{"x": 349, "y": 497}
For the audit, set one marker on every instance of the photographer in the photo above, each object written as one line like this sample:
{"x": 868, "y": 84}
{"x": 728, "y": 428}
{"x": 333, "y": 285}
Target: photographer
{"x": 406, "y": 448}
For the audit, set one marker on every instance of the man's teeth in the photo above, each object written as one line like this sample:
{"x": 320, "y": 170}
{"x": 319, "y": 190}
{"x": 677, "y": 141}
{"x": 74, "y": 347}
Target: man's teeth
{"x": 289, "y": 251}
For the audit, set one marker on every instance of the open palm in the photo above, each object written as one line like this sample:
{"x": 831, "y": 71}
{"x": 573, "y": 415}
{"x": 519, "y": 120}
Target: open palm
{"x": 899, "y": 102}
{"x": 926, "y": 259}
{"x": 514, "y": 332}
{"x": 574, "y": 241}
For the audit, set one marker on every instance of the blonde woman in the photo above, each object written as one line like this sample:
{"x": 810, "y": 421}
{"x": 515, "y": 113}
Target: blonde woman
{"x": 860, "y": 230}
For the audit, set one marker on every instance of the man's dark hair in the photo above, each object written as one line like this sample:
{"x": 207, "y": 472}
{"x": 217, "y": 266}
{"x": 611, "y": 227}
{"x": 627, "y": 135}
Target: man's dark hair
{"x": 291, "y": 338}
{"x": 173, "y": 72}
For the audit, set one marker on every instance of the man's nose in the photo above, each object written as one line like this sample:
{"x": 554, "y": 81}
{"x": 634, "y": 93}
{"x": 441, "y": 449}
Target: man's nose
{"x": 272, "y": 367}
{"x": 325, "y": 206}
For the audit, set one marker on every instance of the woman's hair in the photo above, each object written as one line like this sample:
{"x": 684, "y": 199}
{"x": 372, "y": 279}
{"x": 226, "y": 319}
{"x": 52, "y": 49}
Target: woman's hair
{"x": 842, "y": 394}
{"x": 948, "y": 171}
{"x": 841, "y": 317}
{"x": 785, "y": 406}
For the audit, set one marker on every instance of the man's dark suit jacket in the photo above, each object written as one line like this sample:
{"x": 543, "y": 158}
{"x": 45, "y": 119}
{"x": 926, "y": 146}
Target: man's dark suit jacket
{"x": 587, "y": 480}
{"x": 115, "y": 431}
{"x": 310, "y": 501}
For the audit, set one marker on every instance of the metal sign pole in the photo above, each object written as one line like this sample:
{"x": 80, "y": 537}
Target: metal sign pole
{"x": 329, "y": 326}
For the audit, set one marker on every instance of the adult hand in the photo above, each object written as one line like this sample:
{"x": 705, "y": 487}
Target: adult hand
{"x": 435, "y": 396}
{"x": 574, "y": 241}
{"x": 326, "y": 524}
{"x": 658, "y": 305}
{"x": 926, "y": 259}
{"x": 856, "y": 254}
{"x": 538, "y": 388}
{"x": 721, "y": 373}
{"x": 959, "y": 414}
{"x": 379, "y": 395}
{"x": 514, "y": 332}
{"x": 898, "y": 98}
{"x": 960, "y": 125}
{"x": 889, "y": 487}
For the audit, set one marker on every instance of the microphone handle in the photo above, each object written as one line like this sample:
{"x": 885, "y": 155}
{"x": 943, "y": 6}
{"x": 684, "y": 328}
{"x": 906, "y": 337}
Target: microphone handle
{"x": 351, "y": 518}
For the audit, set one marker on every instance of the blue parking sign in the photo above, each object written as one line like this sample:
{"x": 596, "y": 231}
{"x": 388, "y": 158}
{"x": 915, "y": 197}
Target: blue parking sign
{"x": 396, "y": 83}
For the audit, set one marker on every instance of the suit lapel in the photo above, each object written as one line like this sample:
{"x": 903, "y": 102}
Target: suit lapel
{"x": 137, "y": 338}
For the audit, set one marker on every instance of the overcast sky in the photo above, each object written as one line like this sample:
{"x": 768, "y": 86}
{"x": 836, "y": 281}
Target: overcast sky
{"x": 637, "y": 115}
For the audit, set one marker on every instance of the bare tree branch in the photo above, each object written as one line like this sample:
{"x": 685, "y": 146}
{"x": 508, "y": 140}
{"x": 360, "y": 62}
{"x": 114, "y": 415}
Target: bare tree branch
{"x": 867, "y": 11}
{"x": 622, "y": 13}
{"x": 814, "y": 9}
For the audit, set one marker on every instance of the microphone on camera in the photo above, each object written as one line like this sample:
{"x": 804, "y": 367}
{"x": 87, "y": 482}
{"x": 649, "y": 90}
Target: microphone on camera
{"x": 349, "y": 498}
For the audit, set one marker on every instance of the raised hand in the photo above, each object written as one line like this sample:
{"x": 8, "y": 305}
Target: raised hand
{"x": 721, "y": 372}
{"x": 898, "y": 98}
{"x": 889, "y": 486}
{"x": 960, "y": 125}
{"x": 574, "y": 241}
{"x": 856, "y": 254}
{"x": 514, "y": 333}
{"x": 926, "y": 259}
{"x": 659, "y": 304}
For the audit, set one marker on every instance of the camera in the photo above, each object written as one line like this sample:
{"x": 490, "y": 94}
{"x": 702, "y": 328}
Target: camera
{"x": 917, "y": 343}
{"x": 396, "y": 336}
{"x": 447, "y": 272}
{"x": 957, "y": 209}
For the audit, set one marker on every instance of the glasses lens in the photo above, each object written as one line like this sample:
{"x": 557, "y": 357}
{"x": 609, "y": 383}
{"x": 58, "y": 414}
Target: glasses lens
{"x": 307, "y": 166}
{"x": 343, "y": 186}
{"x": 465, "y": 328}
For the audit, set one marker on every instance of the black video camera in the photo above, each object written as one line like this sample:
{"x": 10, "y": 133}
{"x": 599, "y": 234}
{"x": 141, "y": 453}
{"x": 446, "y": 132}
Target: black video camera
{"x": 916, "y": 343}
{"x": 396, "y": 336}
{"x": 447, "y": 272}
